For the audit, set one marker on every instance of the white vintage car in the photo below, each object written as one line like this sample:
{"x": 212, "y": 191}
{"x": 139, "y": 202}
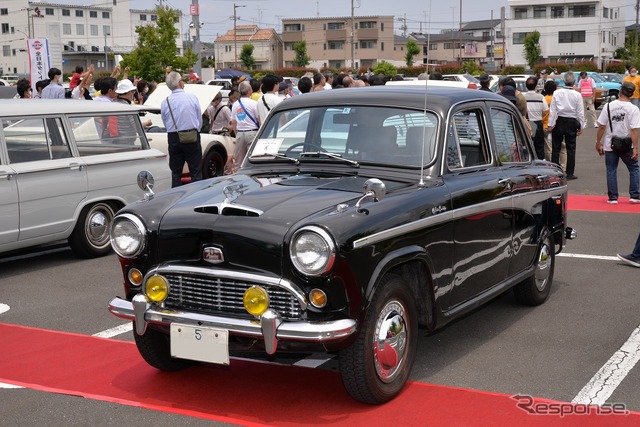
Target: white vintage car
{"x": 66, "y": 168}
{"x": 217, "y": 150}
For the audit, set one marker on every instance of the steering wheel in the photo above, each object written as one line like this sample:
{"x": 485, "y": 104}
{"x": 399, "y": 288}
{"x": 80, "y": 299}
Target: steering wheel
{"x": 302, "y": 144}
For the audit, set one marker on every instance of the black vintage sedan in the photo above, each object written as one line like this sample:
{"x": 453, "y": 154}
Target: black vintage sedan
{"x": 358, "y": 216}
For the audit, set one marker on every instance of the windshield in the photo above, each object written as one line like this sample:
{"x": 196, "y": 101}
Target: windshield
{"x": 364, "y": 134}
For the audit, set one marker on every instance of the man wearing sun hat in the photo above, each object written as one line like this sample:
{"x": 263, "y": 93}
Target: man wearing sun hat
{"x": 541, "y": 81}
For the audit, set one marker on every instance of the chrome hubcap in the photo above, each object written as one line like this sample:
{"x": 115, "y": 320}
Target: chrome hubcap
{"x": 543, "y": 266}
{"x": 390, "y": 341}
{"x": 97, "y": 227}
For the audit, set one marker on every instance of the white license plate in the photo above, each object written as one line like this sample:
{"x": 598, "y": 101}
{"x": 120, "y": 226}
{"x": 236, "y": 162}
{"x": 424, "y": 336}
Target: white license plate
{"x": 200, "y": 343}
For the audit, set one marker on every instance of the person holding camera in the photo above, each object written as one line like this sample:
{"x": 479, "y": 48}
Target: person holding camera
{"x": 617, "y": 139}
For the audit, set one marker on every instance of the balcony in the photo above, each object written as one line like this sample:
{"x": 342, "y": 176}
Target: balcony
{"x": 292, "y": 36}
{"x": 336, "y": 34}
{"x": 368, "y": 33}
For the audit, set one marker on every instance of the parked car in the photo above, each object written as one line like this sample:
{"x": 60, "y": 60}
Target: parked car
{"x": 605, "y": 90}
{"x": 472, "y": 82}
{"x": 61, "y": 178}
{"x": 217, "y": 150}
{"x": 519, "y": 79}
{"x": 389, "y": 214}
{"x": 225, "y": 85}
{"x": 612, "y": 77}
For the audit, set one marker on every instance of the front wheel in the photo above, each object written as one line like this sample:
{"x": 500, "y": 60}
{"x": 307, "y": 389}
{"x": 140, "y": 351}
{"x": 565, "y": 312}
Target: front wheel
{"x": 212, "y": 165}
{"x": 90, "y": 237}
{"x": 535, "y": 289}
{"x": 155, "y": 349}
{"x": 376, "y": 367}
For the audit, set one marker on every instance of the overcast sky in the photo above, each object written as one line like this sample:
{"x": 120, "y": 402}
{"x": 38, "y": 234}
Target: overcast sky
{"x": 421, "y": 15}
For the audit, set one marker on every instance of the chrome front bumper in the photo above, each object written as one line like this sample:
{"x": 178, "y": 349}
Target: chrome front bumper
{"x": 269, "y": 327}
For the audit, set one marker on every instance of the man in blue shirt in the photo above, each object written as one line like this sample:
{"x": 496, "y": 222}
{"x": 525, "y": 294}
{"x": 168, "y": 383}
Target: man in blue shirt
{"x": 181, "y": 112}
{"x": 54, "y": 90}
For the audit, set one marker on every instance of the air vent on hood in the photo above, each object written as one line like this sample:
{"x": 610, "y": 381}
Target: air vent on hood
{"x": 227, "y": 209}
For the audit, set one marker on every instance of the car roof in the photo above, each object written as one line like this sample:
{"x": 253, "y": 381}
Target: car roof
{"x": 409, "y": 96}
{"x": 39, "y": 107}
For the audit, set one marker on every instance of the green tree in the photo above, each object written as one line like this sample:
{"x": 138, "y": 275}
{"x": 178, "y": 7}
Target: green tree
{"x": 412, "y": 50}
{"x": 156, "y": 49}
{"x": 532, "y": 50}
{"x": 385, "y": 68}
{"x": 630, "y": 53}
{"x": 246, "y": 56}
{"x": 301, "y": 59}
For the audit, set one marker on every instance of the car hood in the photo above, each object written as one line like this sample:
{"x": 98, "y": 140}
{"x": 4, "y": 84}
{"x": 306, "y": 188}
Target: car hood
{"x": 250, "y": 218}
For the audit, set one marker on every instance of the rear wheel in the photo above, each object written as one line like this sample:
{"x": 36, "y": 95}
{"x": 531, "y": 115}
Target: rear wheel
{"x": 155, "y": 349}
{"x": 213, "y": 165}
{"x": 376, "y": 367}
{"x": 90, "y": 237}
{"x": 535, "y": 289}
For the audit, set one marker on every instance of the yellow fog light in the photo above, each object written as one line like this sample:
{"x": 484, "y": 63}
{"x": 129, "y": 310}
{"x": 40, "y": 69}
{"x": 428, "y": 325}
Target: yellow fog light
{"x": 157, "y": 288}
{"x": 135, "y": 277}
{"x": 318, "y": 298}
{"x": 256, "y": 300}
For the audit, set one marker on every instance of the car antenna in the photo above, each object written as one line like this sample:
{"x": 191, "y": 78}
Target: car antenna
{"x": 426, "y": 85}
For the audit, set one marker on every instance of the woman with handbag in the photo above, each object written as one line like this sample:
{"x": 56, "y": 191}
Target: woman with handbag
{"x": 617, "y": 139}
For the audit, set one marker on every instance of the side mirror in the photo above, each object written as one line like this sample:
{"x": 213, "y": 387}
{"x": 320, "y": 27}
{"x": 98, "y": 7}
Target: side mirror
{"x": 146, "y": 182}
{"x": 373, "y": 189}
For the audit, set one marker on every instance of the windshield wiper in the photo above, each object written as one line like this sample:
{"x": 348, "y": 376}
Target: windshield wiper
{"x": 275, "y": 156}
{"x": 329, "y": 154}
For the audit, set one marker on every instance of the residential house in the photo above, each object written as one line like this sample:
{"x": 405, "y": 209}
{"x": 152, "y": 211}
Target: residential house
{"x": 267, "y": 47}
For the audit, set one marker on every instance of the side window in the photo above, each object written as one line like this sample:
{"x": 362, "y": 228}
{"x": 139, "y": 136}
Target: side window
{"x": 107, "y": 134}
{"x": 31, "y": 140}
{"x": 466, "y": 140}
{"x": 509, "y": 141}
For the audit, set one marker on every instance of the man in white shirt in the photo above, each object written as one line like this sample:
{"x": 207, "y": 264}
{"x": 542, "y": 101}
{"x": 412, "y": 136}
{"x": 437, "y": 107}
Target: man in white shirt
{"x": 269, "y": 98}
{"x": 245, "y": 121}
{"x": 566, "y": 121}
{"x": 536, "y": 107}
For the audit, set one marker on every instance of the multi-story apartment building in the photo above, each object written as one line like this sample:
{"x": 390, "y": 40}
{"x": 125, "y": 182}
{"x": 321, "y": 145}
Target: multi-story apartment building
{"x": 341, "y": 42}
{"x": 451, "y": 47}
{"x": 490, "y": 32}
{"x": 77, "y": 35}
{"x": 570, "y": 30}
{"x": 267, "y": 47}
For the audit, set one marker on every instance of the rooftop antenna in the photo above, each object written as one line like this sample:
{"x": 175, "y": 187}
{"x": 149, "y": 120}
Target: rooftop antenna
{"x": 318, "y": 9}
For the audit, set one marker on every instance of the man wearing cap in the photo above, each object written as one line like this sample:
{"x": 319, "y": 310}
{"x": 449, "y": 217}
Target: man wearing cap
{"x": 180, "y": 112}
{"x": 484, "y": 82}
{"x": 541, "y": 81}
{"x": 284, "y": 90}
{"x": 124, "y": 95}
{"x": 566, "y": 121}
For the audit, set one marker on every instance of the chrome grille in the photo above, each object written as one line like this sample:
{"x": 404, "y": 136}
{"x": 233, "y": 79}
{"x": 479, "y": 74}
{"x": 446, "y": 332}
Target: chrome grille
{"x": 214, "y": 295}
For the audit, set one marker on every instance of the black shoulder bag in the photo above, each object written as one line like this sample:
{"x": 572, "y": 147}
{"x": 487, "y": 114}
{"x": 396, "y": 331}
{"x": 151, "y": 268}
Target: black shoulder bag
{"x": 619, "y": 144}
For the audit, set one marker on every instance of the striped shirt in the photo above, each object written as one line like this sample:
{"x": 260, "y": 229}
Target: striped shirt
{"x": 536, "y": 106}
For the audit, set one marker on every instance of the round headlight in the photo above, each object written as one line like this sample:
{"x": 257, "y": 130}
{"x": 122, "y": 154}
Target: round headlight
{"x": 312, "y": 251}
{"x": 128, "y": 235}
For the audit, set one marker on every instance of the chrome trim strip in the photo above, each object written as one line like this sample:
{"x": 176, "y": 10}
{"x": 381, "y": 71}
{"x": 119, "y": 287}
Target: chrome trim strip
{"x": 224, "y": 205}
{"x": 232, "y": 275}
{"x": 520, "y": 201}
{"x": 293, "y": 331}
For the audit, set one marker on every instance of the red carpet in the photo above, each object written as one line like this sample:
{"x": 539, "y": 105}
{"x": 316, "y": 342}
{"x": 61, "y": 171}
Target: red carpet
{"x": 247, "y": 393}
{"x": 578, "y": 202}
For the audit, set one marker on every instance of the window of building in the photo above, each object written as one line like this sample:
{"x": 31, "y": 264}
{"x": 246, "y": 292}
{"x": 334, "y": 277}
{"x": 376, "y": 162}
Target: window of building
{"x": 106, "y": 30}
{"x": 4, "y": 11}
{"x": 93, "y": 14}
{"x": 335, "y": 64}
{"x": 367, "y": 44}
{"x": 368, "y": 24}
{"x": 486, "y": 35}
{"x": 105, "y": 15}
{"x": 293, "y": 27}
{"x": 143, "y": 17}
{"x": 382, "y": 26}
{"x": 336, "y": 44}
{"x": 154, "y": 18}
{"x": 66, "y": 29}
{"x": 449, "y": 45}
{"x": 80, "y": 29}
{"x": 5, "y": 28}
{"x": 498, "y": 34}
{"x": 518, "y": 38}
{"x": 66, "y": 12}
{"x": 288, "y": 46}
{"x": 605, "y": 12}
{"x": 6, "y": 50}
{"x": 519, "y": 13}
{"x": 571, "y": 36}
{"x": 581, "y": 11}
{"x": 335, "y": 25}
{"x": 557, "y": 11}
{"x": 94, "y": 30}
{"x": 539, "y": 12}
{"x": 433, "y": 46}
{"x": 381, "y": 45}
{"x": 48, "y": 11}
{"x": 79, "y": 13}
{"x": 95, "y": 49}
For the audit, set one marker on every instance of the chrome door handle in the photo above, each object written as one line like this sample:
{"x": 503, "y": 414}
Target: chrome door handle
{"x": 76, "y": 166}
{"x": 7, "y": 175}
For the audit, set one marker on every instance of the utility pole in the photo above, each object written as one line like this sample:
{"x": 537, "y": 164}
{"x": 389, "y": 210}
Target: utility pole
{"x": 235, "y": 36}
{"x": 106, "y": 57}
{"x": 353, "y": 54}
{"x": 502, "y": 30}
{"x": 195, "y": 21}
{"x": 460, "y": 34}
{"x": 636, "y": 29}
